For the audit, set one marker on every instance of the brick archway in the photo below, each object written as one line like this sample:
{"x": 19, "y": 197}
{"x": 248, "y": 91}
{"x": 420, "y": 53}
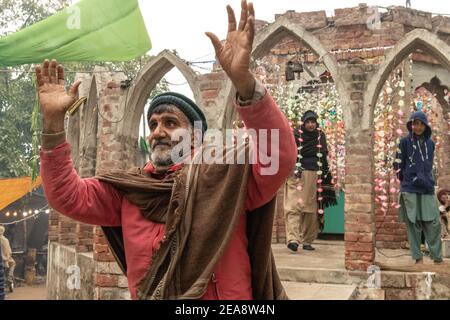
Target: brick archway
{"x": 416, "y": 39}
{"x": 268, "y": 37}
{"x": 146, "y": 81}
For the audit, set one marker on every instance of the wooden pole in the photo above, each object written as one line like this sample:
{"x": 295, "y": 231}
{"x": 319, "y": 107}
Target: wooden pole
{"x": 30, "y": 260}
{"x": 30, "y": 270}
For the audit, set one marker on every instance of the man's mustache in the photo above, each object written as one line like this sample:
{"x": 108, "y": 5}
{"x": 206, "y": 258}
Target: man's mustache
{"x": 162, "y": 143}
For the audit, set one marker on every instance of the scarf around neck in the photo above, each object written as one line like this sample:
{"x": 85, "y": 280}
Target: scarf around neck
{"x": 310, "y": 140}
{"x": 200, "y": 204}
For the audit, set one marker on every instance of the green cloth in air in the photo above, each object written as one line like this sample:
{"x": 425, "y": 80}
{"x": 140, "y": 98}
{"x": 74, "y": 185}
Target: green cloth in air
{"x": 89, "y": 30}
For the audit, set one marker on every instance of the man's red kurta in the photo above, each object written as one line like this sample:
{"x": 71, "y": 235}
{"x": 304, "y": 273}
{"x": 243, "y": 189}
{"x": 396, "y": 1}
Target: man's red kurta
{"x": 94, "y": 202}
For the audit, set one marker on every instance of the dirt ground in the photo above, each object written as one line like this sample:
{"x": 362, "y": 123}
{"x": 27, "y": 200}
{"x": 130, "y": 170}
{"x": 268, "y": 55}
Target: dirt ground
{"x": 38, "y": 292}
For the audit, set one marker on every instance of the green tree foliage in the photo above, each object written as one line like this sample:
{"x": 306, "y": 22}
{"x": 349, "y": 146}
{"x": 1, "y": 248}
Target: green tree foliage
{"x": 18, "y": 14}
{"x": 17, "y": 93}
{"x": 17, "y": 89}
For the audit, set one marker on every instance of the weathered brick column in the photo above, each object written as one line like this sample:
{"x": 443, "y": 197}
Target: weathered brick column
{"x": 67, "y": 230}
{"x": 53, "y": 224}
{"x": 359, "y": 217}
{"x": 87, "y": 148}
{"x": 110, "y": 283}
{"x": 84, "y": 239}
{"x": 214, "y": 100}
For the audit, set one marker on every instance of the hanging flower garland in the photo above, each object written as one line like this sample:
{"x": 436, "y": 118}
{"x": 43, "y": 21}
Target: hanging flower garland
{"x": 426, "y": 102}
{"x": 325, "y": 103}
{"x": 388, "y": 120}
{"x": 331, "y": 115}
{"x": 324, "y": 100}
{"x": 320, "y": 173}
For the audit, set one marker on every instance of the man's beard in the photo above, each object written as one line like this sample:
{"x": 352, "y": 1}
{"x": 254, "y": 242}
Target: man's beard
{"x": 161, "y": 153}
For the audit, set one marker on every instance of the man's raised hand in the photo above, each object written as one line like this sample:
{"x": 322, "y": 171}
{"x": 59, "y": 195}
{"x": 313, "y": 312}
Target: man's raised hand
{"x": 234, "y": 54}
{"x": 53, "y": 97}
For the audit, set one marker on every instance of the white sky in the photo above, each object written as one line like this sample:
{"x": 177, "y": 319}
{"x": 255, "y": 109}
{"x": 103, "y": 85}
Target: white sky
{"x": 181, "y": 24}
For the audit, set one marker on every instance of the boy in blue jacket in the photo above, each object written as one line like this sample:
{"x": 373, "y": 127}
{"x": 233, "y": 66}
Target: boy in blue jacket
{"x": 418, "y": 203}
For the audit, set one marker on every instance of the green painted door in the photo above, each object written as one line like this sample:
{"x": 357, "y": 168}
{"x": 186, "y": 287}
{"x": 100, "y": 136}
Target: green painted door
{"x": 334, "y": 217}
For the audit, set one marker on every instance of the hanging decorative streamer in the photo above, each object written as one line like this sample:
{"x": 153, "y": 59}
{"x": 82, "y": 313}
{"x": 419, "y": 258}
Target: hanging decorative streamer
{"x": 431, "y": 107}
{"x": 322, "y": 98}
{"x": 389, "y": 121}
{"x": 325, "y": 102}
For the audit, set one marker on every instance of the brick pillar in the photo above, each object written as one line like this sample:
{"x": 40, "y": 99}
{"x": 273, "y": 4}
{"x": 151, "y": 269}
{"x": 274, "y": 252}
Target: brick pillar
{"x": 66, "y": 230}
{"x": 214, "y": 98}
{"x": 87, "y": 150}
{"x": 108, "y": 275}
{"x": 53, "y": 225}
{"x": 112, "y": 148}
{"x": 84, "y": 237}
{"x": 359, "y": 218}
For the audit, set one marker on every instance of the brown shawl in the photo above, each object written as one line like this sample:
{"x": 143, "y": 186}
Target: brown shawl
{"x": 200, "y": 205}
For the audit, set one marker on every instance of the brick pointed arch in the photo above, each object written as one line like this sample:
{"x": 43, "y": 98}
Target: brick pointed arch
{"x": 416, "y": 39}
{"x": 365, "y": 224}
{"x": 146, "y": 81}
{"x": 269, "y": 36}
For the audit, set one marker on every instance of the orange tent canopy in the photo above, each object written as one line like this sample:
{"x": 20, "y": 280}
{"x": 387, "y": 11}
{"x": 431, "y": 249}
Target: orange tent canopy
{"x": 12, "y": 189}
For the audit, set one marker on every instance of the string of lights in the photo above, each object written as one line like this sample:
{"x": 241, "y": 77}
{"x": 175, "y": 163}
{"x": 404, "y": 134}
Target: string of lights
{"x": 26, "y": 215}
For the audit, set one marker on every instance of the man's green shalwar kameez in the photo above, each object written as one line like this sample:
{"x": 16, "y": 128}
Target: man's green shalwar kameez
{"x": 418, "y": 203}
{"x": 421, "y": 214}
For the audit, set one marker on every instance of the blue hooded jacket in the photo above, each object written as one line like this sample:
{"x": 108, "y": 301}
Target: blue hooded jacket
{"x": 416, "y": 156}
